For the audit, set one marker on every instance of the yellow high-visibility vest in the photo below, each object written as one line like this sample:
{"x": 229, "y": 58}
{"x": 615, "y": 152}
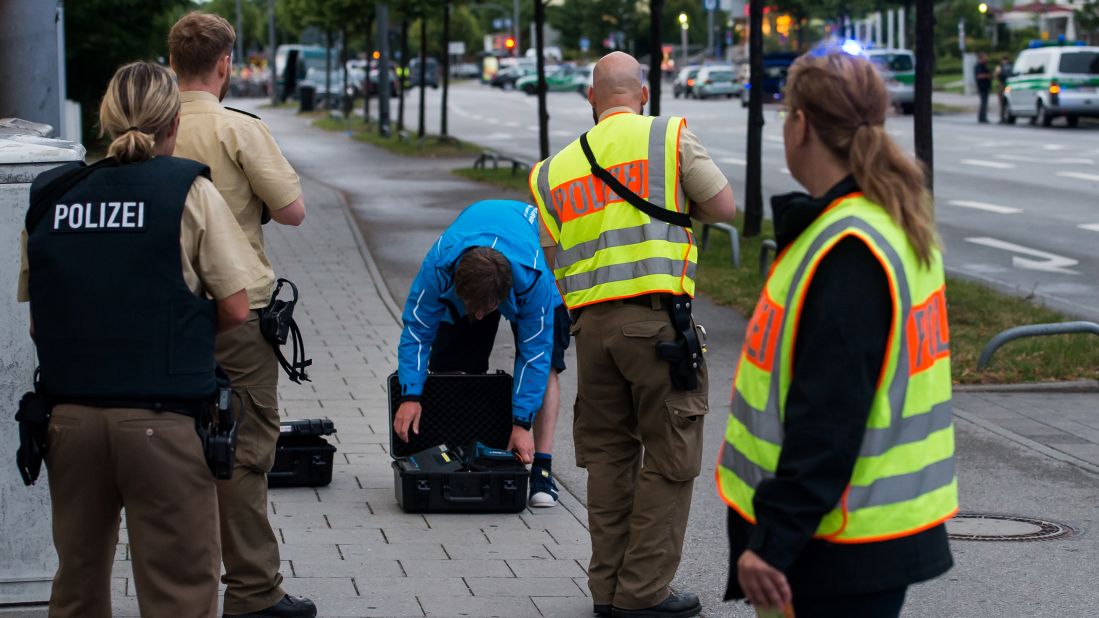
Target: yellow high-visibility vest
{"x": 904, "y": 480}
{"x": 606, "y": 248}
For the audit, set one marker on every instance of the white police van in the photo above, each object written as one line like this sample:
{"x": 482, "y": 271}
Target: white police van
{"x": 1047, "y": 82}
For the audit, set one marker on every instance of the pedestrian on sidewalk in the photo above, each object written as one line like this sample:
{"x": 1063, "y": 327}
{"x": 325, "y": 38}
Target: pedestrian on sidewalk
{"x": 114, "y": 320}
{"x": 488, "y": 263}
{"x": 617, "y": 206}
{"x": 838, "y": 465}
{"x": 258, "y": 184}
{"x": 984, "y": 85}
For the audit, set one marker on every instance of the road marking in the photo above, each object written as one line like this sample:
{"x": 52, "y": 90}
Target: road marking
{"x": 511, "y": 124}
{"x": 786, "y": 171}
{"x": 1003, "y": 210}
{"x": 1059, "y": 161}
{"x": 993, "y": 164}
{"x": 1091, "y": 227}
{"x": 733, "y": 161}
{"x": 1079, "y": 176}
{"x": 1053, "y": 147}
{"x": 1046, "y": 262}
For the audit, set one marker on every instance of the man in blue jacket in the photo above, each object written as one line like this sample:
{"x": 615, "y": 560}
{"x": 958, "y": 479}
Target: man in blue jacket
{"x": 489, "y": 263}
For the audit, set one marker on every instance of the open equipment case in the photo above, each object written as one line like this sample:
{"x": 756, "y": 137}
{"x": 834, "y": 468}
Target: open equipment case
{"x": 458, "y": 409}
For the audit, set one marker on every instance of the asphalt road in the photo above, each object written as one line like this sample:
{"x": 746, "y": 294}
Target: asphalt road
{"x": 1017, "y": 206}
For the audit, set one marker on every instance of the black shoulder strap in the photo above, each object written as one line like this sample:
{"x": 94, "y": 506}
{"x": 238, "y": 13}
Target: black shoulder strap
{"x": 241, "y": 111}
{"x": 51, "y": 192}
{"x": 656, "y": 212}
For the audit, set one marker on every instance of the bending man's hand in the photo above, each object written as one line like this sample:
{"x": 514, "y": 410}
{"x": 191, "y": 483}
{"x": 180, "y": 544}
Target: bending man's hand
{"x": 522, "y": 443}
{"x": 764, "y": 585}
{"x": 408, "y": 415}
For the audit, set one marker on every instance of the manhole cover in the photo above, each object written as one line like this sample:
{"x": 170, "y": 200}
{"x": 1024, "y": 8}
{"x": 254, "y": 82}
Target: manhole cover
{"x": 992, "y": 527}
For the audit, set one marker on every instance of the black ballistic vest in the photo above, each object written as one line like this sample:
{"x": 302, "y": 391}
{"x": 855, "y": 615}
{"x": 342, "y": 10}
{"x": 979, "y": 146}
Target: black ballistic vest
{"x": 113, "y": 318}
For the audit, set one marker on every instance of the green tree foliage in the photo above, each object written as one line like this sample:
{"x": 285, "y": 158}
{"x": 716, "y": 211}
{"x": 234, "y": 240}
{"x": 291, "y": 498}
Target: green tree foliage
{"x": 464, "y": 26}
{"x": 101, "y": 35}
{"x": 1087, "y": 21}
{"x": 253, "y": 26}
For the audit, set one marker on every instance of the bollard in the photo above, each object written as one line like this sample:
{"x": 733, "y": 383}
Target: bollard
{"x": 766, "y": 249}
{"x": 734, "y": 240}
{"x": 1033, "y": 330}
{"x": 27, "y": 557}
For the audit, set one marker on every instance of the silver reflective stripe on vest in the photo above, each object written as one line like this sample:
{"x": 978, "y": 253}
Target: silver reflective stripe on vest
{"x": 658, "y": 131}
{"x": 656, "y": 230}
{"x": 763, "y": 425}
{"x": 621, "y": 272}
{"x": 544, "y": 190}
{"x": 902, "y": 487}
{"x": 747, "y": 471}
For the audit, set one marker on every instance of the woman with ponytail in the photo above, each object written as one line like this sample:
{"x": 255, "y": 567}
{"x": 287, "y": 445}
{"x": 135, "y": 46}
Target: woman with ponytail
{"x": 838, "y": 465}
{"x": 131, "y": 266}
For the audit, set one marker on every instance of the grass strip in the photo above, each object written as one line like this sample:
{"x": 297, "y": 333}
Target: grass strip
{"x": 976, "y": 312}
{"x": 432, "y": 146}
{"x": 502, "y": 177}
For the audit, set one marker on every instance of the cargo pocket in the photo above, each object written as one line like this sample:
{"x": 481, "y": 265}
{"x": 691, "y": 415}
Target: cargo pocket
{"x": 649, "y": 329}
{"x": 259, "y": 428}
{"x": 679, "y": 456}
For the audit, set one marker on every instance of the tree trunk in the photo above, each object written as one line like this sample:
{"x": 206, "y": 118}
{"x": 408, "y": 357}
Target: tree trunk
{"x": 753, "y": 183}
{"x": 422, "y": 129}
{"x": 369, "y": 64}
{"x": 446, "y": 65}
{"x": 402, "y": 80}
{"x": 327, "y": 68}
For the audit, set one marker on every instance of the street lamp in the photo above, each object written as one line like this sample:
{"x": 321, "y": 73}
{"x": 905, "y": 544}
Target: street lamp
{"x": 683, "y": 28}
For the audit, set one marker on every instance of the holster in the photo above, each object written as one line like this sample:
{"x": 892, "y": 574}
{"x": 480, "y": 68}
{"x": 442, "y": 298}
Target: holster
{"x": 33, "y": 417}
{"x": 277, "y": 325}
{"x": 685, "y": 353}
{"x": 217, "y": 428}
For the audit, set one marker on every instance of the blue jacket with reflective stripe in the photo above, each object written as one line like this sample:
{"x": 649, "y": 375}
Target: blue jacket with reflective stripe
{"x": 511, "y": 228}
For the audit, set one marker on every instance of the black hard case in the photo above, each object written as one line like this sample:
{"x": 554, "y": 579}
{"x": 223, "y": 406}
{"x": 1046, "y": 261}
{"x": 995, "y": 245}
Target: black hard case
{"x": 303, "y": 458}
{"x": 459, "y": 409}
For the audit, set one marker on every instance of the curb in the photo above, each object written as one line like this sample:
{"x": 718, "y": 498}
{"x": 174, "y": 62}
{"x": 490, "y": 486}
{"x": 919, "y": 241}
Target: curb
{"x": 1076, "y": 386}
{"x": 1027, "y": 442}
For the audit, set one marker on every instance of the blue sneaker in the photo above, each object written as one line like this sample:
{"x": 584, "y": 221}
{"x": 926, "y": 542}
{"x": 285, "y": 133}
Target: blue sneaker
{"x": 543, "y": 491}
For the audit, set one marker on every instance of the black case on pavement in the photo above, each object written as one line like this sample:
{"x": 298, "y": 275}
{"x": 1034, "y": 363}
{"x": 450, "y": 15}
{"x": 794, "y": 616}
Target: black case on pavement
{"x": 303, "y": 458}
{"x": 458, "y": 410}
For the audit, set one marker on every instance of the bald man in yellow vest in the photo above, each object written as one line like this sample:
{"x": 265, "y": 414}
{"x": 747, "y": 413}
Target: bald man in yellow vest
{"x": 616, "y": 208}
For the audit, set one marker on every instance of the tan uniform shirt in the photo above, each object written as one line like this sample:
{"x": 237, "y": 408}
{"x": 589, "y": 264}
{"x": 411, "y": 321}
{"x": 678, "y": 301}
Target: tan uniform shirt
{"x": 248, "y": 169}
{"x": 216, "y": 257}
{"x": 699, "y": 177}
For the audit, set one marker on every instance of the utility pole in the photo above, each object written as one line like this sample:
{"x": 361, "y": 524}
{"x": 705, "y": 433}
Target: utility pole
{"x": 271, "y": 52}
{"x": 369, "y": 63}
{"x": 540, "y": 54}
{"x": 753, "y": 183}
{"x": 383, "y": 69}
{"x": 656, "y": 55}
{"x": 925, "y": 67}
{"x": 240, "y": 37}
{"x": 515, "y": 27}
{"x": 446, "y": 64}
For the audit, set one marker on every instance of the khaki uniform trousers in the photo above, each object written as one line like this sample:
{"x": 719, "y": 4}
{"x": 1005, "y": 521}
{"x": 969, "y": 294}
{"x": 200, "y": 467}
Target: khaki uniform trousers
{"x": 641, "y": 442}
{"x": 101, "y": 460}
{"x": 250, "y": 550}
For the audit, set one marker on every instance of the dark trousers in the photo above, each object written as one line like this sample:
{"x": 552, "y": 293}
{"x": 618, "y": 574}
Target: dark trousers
{"x": 1003, "y": 107}
{"x": 982, "y": 115}
{"x": 886, "y": 604}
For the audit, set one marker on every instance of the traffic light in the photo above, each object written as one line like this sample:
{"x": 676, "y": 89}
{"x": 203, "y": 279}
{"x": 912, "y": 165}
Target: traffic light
{"x": 509, "y": 43}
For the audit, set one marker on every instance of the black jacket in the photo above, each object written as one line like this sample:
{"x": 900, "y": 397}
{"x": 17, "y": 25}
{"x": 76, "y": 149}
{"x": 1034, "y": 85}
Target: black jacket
{"x": 841, "y": 342}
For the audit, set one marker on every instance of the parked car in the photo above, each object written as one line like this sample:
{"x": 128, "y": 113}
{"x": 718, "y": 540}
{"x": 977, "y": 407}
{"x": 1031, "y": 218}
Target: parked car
{"x": 582, "y": 79}
{"x": 394, "y": 83}
{"x": 465, "y": 70}
{"x": 716, "y": 80}
{"x": 328, "y": 91}
{"x": 898, "y": 68}
{"x": 1054, "y": 81}
{"x": 431, "y": 73}
{"x": 560, "y": 78}
{"x": 775, "y": 68}
{"x": 685, "y": 81}
{"x": 506, "y": 78}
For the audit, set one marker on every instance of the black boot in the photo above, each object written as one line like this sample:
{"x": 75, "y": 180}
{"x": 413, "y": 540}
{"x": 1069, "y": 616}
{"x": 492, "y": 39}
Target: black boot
{"x": 287, "y": 607}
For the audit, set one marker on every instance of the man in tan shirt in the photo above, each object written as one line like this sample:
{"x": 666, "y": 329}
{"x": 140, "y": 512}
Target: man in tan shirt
{"x": 256, "y": 181}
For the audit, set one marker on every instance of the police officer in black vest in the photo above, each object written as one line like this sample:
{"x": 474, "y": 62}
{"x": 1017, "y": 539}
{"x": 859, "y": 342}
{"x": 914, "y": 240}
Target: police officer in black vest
{"x": 131, "y": 266}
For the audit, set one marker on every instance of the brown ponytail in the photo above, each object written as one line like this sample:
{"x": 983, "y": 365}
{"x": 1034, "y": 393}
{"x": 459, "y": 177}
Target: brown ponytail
{"x": 138, "y": 109}
{"x": 846, "y": 102}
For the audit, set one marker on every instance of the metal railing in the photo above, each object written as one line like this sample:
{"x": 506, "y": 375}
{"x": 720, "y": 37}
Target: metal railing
{"x": 734, "y": 239}
{"x": 767, "y": 249}
{"x": 1033, "y": 330}
{"x": 496, "y": 158}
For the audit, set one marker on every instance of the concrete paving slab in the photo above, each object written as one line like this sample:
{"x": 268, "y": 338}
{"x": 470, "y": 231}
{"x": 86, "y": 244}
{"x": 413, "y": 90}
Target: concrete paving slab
{"x": 481, "y": 607}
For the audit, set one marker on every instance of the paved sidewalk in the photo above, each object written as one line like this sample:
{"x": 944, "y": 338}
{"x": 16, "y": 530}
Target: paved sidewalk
{"x": 348, "y": 546}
